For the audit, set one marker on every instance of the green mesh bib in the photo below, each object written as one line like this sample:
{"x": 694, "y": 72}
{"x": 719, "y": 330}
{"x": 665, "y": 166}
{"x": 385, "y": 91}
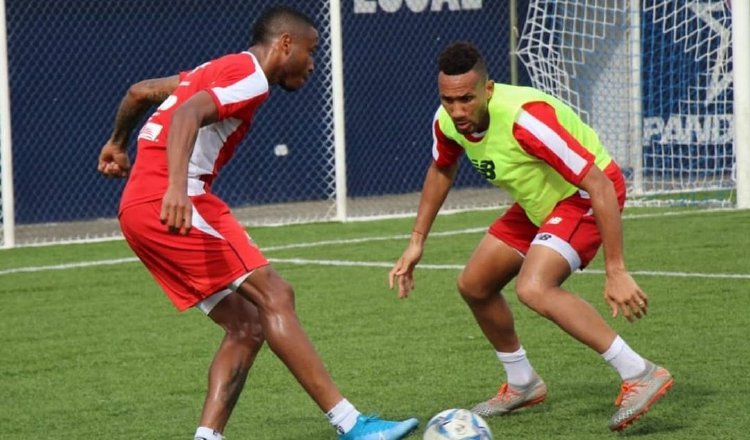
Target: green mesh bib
{"x": 535, "y": 185}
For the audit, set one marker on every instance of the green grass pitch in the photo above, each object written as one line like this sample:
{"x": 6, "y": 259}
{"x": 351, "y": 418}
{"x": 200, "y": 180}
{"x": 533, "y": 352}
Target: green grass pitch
{"x": 97, "y": 351}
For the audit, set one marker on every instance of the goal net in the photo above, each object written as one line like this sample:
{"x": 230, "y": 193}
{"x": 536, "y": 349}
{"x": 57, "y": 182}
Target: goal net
{"x": 653, "y": 78}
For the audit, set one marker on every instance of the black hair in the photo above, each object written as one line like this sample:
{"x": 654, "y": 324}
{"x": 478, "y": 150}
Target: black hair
{"x": 461, "y": 57}
{"x": 276, "y": 20}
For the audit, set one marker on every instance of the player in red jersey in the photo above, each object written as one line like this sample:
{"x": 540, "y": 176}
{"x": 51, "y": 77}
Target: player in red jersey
{"x": 188, "y": 238}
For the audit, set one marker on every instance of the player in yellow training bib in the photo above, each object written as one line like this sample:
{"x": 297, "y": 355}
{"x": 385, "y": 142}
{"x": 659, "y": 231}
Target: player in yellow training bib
{"x": 569, "y": 196}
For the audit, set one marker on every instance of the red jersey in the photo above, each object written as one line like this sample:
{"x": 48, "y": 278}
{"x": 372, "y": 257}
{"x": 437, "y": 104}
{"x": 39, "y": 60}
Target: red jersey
{"x": 238, "y": 87}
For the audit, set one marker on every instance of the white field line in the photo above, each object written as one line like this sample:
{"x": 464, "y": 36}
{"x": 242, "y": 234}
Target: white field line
{"x": 461, "y": 231}
{"x": 117, "y": 237}
{"x": 382, "y": 264}
{"x": 386, "y": 264}
{"x": 345, "y": 263}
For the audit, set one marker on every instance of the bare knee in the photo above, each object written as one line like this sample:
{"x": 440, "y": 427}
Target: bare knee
{"x": 240, "y": 321}
{"x": 248, "y": 333}
{"x": 532, "y": 293}
{"x": 472, "y": 291}
{"x": 279, "y": 298}
{"x": 269, "y": 292}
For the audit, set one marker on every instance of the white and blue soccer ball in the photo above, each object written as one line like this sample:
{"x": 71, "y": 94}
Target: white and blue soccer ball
{"x": 457, "y": 424}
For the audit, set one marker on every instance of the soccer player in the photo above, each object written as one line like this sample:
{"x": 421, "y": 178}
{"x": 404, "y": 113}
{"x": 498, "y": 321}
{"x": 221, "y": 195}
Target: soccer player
{"x": 189, "y": 240}
{"x": 569, "y": 194}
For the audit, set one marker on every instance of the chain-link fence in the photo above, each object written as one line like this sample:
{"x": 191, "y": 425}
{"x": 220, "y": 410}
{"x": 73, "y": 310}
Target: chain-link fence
{"x": 71, "y": 62}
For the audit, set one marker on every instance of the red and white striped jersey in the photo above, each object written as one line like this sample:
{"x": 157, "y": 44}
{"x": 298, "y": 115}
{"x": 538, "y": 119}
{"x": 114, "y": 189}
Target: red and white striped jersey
{"x": 238, "y": 87}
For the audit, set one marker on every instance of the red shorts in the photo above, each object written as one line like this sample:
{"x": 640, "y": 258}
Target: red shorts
{"x": 570, "y": 229}
{"x": 192, "y": 267}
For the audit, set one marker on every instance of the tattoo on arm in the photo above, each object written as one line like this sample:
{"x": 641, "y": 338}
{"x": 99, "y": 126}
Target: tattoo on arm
{"x": 157, "y": 95}
{"x": 137, "y": 101}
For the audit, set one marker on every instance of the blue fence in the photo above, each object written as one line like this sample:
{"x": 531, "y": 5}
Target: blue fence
{"x": 71, "y": 62}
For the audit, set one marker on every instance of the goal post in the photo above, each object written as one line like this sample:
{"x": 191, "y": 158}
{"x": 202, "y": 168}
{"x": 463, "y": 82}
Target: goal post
{"x": 741, "y": 36}
{"x": 7, "y": 210}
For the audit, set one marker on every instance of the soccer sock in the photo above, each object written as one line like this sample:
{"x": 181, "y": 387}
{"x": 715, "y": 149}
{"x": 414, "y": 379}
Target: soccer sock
{"x": 343, "y": 416}
{"x": 203, "y": 433}
{"x": 517, "y": 367}
{"x": 627, "y": 362}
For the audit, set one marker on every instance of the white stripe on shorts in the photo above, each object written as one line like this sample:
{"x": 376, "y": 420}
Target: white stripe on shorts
{"x": 560, "y": 246}
{"x": 209, "y": 303}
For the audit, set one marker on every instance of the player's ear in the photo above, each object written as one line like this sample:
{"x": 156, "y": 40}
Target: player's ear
{"x": 285, "y": 43}
{"x": 489, "y": 88}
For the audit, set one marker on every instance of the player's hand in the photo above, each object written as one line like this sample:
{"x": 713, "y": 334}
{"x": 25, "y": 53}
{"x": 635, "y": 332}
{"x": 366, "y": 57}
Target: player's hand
{"x": 176, "y": 211}
{"x": 113, "y": 161}
{"x": 403, "y": 271}
{"x": 624, "y": 295}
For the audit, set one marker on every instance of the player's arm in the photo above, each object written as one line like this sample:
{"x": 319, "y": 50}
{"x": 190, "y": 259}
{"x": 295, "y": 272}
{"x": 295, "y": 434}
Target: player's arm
{"x": 187, "y": 119}
{"x": 113, "y": 158}
{"x": 620, "y": 290}
{"x": 540, "y": 133}
{"x": 437, "y": 184}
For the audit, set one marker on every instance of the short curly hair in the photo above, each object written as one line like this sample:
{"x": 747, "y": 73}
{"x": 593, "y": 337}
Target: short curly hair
{"x": 276, "y": 20}
{"x": 461, "y": 57}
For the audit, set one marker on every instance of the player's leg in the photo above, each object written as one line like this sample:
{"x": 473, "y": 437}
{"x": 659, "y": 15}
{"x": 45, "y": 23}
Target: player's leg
{"x": 494, "y": 263}
{"x": 491, "y": 267}
{"x": 564, "y": 245}
{"x": 539, "y": 287}
{"x": 274, "y": 299}
{"x": 243, "y": 338}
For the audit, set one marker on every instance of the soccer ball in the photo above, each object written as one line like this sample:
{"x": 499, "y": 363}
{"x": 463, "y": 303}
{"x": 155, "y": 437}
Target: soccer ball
{"x": 457, "y": 424}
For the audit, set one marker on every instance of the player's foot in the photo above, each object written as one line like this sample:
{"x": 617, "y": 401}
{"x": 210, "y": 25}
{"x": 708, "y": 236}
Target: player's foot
{"x": 511, "y": 397}
{"x": 374, "y": 428}
{"x": 637, "y": 395}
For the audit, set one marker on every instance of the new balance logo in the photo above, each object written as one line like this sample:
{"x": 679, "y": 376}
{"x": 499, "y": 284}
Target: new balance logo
{"x": 486, "y": 167}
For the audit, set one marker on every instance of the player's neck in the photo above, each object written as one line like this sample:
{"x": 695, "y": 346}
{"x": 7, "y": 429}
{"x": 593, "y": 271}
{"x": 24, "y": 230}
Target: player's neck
{"x": 266, "y": 58}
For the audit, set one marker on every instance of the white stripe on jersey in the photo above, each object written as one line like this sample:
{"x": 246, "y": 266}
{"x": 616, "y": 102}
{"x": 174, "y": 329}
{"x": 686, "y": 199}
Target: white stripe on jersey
{"x": 435, "y": 152}
{"x": 208, "y": 143}
{"x": 552, "y": 140}
{"x": 254, "y": 85}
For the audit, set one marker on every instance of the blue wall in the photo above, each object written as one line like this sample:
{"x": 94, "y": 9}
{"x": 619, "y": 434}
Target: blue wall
{"x": 71, "y": 62}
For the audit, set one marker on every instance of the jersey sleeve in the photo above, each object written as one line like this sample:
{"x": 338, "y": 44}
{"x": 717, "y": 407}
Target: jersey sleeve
{"x": 237, "y": 88}
{"x": 541, "y": 135}
{"x": 445, "y": 151}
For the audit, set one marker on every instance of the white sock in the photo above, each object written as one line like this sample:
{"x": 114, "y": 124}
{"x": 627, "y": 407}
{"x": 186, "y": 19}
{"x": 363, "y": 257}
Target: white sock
{"x": 517, "y": 367}
{"x": 627, "y": 362}
{"x": 203, "y": 433}
{"x": 343, "y": 416}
